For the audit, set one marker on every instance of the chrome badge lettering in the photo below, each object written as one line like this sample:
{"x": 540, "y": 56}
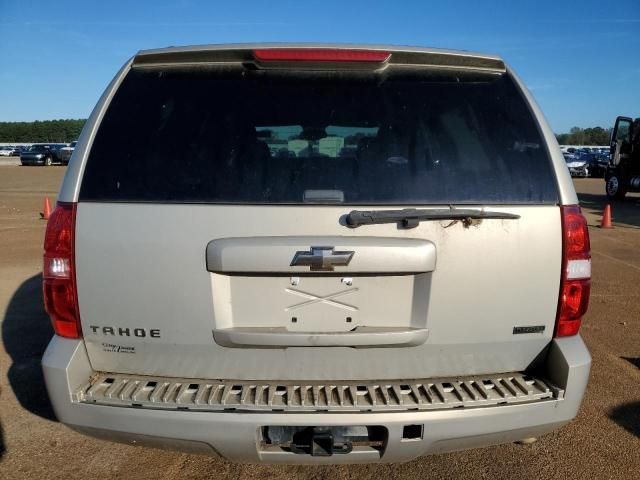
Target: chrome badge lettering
{"x": 126, "y": 331}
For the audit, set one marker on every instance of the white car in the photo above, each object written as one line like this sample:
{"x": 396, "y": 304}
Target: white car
{"x": 401, "y": 281}
{"x": 577, "y": 167}
{"x": 65, "y": 152}
{"x": 6, "y": 151}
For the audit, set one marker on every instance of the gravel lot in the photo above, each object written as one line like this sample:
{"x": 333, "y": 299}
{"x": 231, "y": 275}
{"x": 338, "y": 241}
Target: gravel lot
{"x": 4, "y": 161}
{"x": 604, "y": 442}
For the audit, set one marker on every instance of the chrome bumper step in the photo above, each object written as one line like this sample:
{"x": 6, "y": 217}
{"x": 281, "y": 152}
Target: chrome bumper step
{"x": 383, "y": 395}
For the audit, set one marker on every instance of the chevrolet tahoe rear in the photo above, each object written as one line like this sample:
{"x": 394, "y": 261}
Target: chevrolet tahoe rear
{"x": 316, "y": 254}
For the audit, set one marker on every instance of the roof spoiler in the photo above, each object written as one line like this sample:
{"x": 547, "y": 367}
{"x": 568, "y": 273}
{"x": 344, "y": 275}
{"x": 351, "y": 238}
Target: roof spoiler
{"x": 247, "y": 54}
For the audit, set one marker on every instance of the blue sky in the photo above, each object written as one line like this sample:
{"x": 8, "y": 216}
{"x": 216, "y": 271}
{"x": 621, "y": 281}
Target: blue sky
{"x": 581, "y": 60}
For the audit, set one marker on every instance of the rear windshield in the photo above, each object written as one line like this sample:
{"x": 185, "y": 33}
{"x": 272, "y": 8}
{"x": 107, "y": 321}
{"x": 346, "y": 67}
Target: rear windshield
{"x": 235, "y": 135}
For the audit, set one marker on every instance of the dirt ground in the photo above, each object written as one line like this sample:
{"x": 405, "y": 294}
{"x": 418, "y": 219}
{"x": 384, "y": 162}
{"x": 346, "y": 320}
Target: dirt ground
{"x": 603, "y": 442}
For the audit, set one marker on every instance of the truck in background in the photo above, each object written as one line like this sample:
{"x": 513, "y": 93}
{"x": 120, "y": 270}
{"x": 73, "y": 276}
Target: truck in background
{"x": 623, "y": 172}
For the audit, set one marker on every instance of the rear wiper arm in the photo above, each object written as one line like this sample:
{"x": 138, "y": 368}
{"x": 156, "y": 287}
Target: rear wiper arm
{"x": 411, "y": 217}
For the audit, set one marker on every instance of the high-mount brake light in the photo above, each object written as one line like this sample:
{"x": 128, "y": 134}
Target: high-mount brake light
{"x": 58, "y": 272}
{"x": 575, "y": 282}
{"x": 320, "y": 55}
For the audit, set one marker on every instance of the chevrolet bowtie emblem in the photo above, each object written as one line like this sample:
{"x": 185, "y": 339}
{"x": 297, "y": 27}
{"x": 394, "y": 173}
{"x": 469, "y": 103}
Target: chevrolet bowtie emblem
{"x": 321, "y": 259}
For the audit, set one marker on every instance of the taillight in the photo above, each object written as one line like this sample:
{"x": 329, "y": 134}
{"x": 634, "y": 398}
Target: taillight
{"x": 58, "y": 272}
{"x": 320, "y": 55}
{"x": 575, "y": 282}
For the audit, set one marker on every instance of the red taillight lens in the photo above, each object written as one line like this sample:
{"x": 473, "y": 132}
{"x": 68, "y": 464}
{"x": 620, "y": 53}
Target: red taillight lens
{"x": 319, "y": 55}
{"x": 574, "y": 300}
{"x": 58, "y": 272}
{"x": 576, "y": 234}
{"x": 575, "y": 282}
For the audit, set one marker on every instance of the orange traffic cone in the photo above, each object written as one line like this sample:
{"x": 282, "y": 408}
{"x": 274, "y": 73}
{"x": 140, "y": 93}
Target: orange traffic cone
{"x": 606, "y": 218}
{"x": 47, "y": 209}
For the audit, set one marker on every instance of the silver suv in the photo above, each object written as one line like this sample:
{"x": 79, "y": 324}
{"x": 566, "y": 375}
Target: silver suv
{"x": 316, "y": 254}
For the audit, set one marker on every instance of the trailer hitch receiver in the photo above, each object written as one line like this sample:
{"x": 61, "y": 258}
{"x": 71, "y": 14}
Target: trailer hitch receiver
{"x": 318, "y": 442}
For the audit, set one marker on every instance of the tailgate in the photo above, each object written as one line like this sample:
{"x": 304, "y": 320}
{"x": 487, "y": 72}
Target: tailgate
{"x": 211, "y": 239}
{"x": 150, "y": 304}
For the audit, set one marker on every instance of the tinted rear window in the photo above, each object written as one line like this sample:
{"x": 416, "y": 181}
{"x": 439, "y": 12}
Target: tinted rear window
{"x": 235, "y": 135}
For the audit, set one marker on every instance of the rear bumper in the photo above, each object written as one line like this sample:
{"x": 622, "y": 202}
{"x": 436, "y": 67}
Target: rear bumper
{"x": 237, "y": 436}
{"x": 32, "y": 161}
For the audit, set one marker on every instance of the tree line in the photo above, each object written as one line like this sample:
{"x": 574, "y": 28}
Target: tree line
{"x": 61, "y": 131}
{"x": 585, "y": 136}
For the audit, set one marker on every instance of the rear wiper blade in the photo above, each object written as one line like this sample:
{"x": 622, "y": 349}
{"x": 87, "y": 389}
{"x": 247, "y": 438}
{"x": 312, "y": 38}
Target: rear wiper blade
{"x": 411, "y": 217}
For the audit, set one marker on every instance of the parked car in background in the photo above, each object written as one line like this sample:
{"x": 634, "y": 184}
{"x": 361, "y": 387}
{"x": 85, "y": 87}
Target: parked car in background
{"x": 576, "y": 165}
{"x": 6, "y": 151}
{"x": 65, "y": 153}
{"x": 596, "y": 163}
{"x": 41, "y": 154}
{"x": 18, "y": 150}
